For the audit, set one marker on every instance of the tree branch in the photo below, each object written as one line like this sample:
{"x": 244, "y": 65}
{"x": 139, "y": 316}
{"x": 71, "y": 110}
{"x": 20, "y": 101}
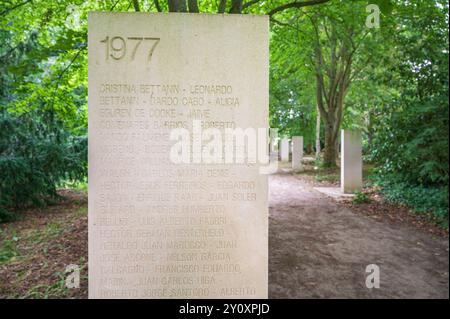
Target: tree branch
{"x": 296, "y": 5}
{"x": 114, "y": 5}
{"x": 290, "y": 23}
{"x": 71, "y": 62}
{"x": 249, "y": 4}
{"x": 10, "y": 51}
{"x": 318, "y": 61}
{"x": 222, "y": 6}
{"x": 284, "y": 24}
{"x": 14, "y": 7}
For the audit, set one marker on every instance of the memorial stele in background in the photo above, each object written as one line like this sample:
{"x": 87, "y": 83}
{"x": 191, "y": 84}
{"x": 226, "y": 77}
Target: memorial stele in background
{"x": 159, "y": 229}
{"x": 351, "y": 161}
{"x": 284, "y": 149}
{"x": 297, "y": 153}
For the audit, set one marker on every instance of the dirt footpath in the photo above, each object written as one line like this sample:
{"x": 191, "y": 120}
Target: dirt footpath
{"x": 318, "y": 249}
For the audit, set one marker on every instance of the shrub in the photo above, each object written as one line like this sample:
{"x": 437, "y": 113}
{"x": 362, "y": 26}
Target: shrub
{"x": 430, "y": 201}
{"x": 37, "y": 153}
{"x": 360, "y": 198}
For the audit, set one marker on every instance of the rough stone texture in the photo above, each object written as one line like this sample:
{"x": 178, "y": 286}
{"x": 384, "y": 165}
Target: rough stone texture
{"x": 159, "y": 229}
{"x": 297, "y": 153}
{"x": 351, "y": 161}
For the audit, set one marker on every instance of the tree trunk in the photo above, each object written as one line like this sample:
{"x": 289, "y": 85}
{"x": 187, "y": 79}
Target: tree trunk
{"x": 333, "y": 123}
{"x": 136, "y": 5}
{"x": 222, "y": 6}
{"x": 177, "y": 6}
{"x": 157, "y": 5}
{"x": 330, "y": 152}
{"x": 236, "y": 6}
{"x": 331, "y": 94}
{"x": 193, "y": 6}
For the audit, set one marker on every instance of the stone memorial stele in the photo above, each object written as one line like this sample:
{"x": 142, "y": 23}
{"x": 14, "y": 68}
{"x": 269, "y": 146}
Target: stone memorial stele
{"x": 273, "y": 144}
{"x": 297, "y": 153}
{"x": 284, "y": 149}
{"x": 351, "y": 161}
{"x": 159, "y": 228}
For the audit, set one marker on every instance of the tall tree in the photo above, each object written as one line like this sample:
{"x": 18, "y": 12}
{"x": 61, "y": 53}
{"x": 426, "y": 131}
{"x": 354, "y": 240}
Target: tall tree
{"x": 335, "y": 46}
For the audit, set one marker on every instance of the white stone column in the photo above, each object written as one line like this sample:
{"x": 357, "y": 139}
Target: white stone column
{"x": 297, "y": 153}
{"x": 351, "y": 161}
{"x": 284, "y": 150}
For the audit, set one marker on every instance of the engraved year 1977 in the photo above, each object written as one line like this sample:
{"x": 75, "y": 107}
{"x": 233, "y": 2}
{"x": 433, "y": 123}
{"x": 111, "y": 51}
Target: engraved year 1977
{"x": 118, "y": 47}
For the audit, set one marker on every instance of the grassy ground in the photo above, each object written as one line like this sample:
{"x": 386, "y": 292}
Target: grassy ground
{"x": 35, "y": 250}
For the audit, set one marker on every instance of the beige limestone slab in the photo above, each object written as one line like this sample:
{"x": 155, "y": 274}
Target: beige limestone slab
{"x": 351, "y": 161}
{"x": 297, "y": 153}
{"x": 285, "y": 145}
{"x": 159, "y": 229}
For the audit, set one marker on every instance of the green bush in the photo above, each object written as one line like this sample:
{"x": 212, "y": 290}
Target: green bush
{"x": 410, "y": 129}
{"x": 37, "y": 154}
{"x": 360, "y": 198}
{"x": 430, "y": 201}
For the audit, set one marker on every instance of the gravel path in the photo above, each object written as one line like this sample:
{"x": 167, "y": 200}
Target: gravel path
{"x": 318, "y": 249}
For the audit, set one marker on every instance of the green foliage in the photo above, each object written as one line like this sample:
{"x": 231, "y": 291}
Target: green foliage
{"x": 414, "y": 144}
{"x": 42, "y": 101}
{"x": 80, "y": 185}
{"x": 8, "y": 250}
{"x": 361, "y": 198}
{"x": 408, "y": 126}
{"x": 398, "y": 94}
{"x": 430, "y": 201}
{"x": 411, "y": 140}
{"x": 291, "y": 110}
{"x": 36, "y": 155}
